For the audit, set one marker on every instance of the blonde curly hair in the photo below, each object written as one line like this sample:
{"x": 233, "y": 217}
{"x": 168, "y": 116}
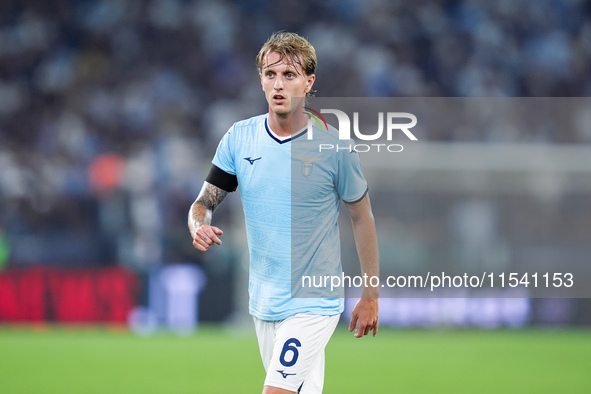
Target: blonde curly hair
{"x": 291, "y": 47}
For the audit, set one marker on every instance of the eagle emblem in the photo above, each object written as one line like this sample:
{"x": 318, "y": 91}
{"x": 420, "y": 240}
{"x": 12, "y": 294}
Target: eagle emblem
{"x": 307, "y": 164}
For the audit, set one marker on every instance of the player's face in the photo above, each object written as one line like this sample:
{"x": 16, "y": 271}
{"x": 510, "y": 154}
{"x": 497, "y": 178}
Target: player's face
{"x": 283, "y": 81}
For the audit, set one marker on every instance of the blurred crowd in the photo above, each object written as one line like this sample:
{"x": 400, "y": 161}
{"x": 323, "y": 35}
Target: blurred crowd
{"x": 110, "y": 110}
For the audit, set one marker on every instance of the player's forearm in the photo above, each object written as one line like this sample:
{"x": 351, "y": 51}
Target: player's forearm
{"x": 199, "y": 215}
{"x": 366, "y": 241}
{"x": 201, "y": 212}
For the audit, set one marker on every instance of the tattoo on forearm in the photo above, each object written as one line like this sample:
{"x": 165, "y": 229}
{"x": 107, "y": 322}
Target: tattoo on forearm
{"x": 212, "y": 196}
{"x": 208, "y": 200}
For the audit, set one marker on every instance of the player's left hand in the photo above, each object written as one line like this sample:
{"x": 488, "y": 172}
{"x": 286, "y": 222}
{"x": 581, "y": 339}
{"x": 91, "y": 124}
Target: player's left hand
{"x": 365, "y": 317}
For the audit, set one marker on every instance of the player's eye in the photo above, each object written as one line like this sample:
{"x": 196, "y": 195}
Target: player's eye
{"x": 269, "y": 74}
{"x": 289, "y": 75}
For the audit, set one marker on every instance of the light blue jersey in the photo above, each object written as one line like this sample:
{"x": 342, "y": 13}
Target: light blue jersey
{"x": 290, "y": 194}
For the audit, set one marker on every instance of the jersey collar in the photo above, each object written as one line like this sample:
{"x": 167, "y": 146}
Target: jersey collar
{"x": 293, "y": 137}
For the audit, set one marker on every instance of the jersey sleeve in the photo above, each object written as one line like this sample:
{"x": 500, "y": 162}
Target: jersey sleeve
{"x": 351, "y": 184}
{"x": 224, "y": 155}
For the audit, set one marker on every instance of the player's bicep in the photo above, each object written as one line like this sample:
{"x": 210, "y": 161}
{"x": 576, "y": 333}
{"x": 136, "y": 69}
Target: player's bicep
{"x": 224, "y": 155}
{"x": 360, "y": 209}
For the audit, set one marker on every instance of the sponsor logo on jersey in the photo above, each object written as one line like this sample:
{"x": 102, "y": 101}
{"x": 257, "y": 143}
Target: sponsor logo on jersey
{"x": 251, "y": 161}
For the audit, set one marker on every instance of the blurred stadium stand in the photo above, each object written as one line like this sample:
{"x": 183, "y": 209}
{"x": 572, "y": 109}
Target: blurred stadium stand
{"x": 110, "y": 111}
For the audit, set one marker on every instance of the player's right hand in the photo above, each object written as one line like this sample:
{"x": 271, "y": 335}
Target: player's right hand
{"x": 205, "y": 236}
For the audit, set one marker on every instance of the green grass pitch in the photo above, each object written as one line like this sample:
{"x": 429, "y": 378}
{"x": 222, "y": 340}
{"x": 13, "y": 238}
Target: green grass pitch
{"x": 59, "y": 360}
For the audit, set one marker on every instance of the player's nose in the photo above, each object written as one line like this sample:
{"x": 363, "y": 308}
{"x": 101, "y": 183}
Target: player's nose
{"x": 278, "y": 84}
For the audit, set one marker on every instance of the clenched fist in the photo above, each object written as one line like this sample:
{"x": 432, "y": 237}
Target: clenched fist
{"x": 205, "y": 236}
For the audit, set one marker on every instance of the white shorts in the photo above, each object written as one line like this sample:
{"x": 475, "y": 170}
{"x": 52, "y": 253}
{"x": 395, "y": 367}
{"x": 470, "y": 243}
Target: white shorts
{"x": 293, "y": 351}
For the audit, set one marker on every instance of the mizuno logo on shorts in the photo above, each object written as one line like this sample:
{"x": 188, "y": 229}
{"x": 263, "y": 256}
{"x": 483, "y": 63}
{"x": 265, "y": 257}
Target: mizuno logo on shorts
{"x": 284, "y": 374}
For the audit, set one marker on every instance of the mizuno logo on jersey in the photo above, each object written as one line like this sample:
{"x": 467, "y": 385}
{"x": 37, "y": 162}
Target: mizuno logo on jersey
{"x": 284, "y": 374}
{"x": 251, "y": 161}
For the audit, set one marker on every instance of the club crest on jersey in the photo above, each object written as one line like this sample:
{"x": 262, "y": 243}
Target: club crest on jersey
{"x": 307, "y": 164}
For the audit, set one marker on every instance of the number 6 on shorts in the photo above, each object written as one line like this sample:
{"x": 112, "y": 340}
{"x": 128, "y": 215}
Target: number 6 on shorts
{"x": 291, "y": 345}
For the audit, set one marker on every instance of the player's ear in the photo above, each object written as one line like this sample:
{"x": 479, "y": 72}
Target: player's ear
{"x": 261, "y": 76}
{"x": 311, "y": 79}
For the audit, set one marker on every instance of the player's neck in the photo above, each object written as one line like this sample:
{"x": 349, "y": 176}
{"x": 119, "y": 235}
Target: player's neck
{"x": 286, "y": 125}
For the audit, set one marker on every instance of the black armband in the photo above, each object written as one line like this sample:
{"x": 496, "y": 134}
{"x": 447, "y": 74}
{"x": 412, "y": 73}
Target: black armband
{"x": 222, "y": 179}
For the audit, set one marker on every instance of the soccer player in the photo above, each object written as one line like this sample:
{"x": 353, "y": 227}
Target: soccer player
{"x": 257, "y": 155}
